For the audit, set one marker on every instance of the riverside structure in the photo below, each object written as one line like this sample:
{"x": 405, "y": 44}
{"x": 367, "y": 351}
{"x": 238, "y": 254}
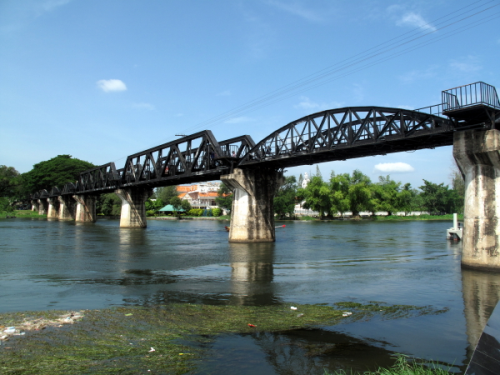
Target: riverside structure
{"x": 467, "y": 118}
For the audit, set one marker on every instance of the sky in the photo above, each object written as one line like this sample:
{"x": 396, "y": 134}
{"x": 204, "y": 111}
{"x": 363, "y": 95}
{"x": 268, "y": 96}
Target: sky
{"x": 100, "y": 80}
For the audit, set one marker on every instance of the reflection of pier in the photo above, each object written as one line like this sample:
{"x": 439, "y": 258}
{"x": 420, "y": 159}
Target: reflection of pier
{"x": 481, "y": 292}
{"x": 252, "y": 273}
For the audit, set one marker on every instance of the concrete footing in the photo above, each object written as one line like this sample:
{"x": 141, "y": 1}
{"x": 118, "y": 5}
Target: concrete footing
{"x": 477, "y": 155}
{"x": 85, "y": 209}
{"x": 252, "y": 215}
{"x": 53, "y": 209}
{"x": 43, "y": 206}
{"x": 66, "y": 207}
{"x": 133, "y": 214}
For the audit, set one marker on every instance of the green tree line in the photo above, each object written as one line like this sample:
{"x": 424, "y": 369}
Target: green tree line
{"x": 341, "y": 193}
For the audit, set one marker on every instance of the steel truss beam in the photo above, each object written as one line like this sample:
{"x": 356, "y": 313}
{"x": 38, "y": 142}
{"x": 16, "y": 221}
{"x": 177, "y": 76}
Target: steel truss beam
{"x": 350, "y": 132}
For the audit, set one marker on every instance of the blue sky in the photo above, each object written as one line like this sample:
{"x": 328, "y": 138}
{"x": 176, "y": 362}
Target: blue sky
{"x": 100, "y": 80}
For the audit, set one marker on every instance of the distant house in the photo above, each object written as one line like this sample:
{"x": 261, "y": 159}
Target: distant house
{"x": 200, "y": 195}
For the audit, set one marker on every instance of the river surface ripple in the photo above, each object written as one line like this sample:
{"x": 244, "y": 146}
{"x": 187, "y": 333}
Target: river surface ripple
{"x": 63, "y": 265}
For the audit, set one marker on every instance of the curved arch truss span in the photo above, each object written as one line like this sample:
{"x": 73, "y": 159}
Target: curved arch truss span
{"x": 345, "y": 133}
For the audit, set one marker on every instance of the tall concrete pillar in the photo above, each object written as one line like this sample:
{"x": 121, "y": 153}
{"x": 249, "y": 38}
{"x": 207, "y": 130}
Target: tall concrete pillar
{"x": 252, "y": 215}
{"x": 477, "y": 155}
{"x": 53, "y": 209}
{"x": 43, "y": 206}
{"x": 85, "y": 208}
{"x": 133, "y": 214}
{"x": 66, "y": 207}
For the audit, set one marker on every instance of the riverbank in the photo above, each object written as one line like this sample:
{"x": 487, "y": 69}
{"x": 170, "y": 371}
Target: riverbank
{"x": 172, "y": 339}
{"x": 21, "y": 214}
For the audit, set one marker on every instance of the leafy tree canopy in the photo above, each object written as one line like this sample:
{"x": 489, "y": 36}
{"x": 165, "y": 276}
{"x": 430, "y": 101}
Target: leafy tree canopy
{"x": 316, "y": 196}
{"x": 9, "y": 181}
{"x": 284, "y": 200}
{"x": 224, "y": 197}
{"x": 54, "y": 172}
{"x": 165, "y": 194}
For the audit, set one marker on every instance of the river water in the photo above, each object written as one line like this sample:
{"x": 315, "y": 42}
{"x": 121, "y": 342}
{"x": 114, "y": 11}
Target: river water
{"x": 64, "y": 265}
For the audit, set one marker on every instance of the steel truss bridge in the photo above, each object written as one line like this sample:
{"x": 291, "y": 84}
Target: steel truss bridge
{"x": 335, "y": 134}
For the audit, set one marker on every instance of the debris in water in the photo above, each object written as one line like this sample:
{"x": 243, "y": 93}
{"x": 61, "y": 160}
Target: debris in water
{"x": 152, "y": 350}
{"x": 251, "y": 325}
{"x": 300, "y": 315}
{"x": 293, "y": 307}
{"x": 347, "y": 313}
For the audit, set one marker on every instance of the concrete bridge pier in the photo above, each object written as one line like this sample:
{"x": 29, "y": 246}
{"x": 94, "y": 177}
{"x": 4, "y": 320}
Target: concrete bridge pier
{"x": 43, "y": 206}
{"x": 85, "y": 208}
{"x": 53, "y": 208}
{"x": 252, "y": 215}
{"x": 477, "y": 153}
{"x": 133, "y": 214}
{"x": 66, "y": 208}
{"x": 34, "y": 205}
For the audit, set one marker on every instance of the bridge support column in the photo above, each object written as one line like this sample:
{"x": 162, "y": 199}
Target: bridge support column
{"x": 34, "y": 205}
{"x": 252, "y": 215}
{"x": 43, "y": 206}
{"x": 133, "y": 214}
{"x": 85, "y": 209}
{"x": 53, "y": 209}
{"x": 66, "y": 208}
{"x": 478, "y": 156}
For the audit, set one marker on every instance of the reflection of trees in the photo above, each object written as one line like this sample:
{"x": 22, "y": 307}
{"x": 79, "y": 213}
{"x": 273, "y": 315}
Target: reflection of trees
{"x": 481, "y": 292}
{"x": 252, "y": 273}
{"x": 311, "y": 351}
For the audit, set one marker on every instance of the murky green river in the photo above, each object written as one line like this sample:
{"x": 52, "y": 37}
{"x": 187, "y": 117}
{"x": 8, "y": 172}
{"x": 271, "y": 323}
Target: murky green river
{"x": 63, "y": 265}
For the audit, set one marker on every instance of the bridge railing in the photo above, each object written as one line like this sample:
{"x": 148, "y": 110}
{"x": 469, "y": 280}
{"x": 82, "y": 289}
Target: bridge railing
{"x": 478, "y": 93}
{"x": 436, "y": 110}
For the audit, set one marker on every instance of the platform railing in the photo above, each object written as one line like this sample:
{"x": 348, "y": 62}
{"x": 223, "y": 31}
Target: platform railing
{"x": 478, "y": 93}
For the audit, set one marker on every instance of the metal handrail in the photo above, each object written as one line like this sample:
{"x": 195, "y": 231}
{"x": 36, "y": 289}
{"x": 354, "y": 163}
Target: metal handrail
{"x": 478, "y": 93}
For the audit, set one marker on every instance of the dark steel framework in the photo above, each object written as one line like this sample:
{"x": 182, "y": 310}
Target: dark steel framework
{"x": 346, "y": 133}
{"x": 336, "y": 134}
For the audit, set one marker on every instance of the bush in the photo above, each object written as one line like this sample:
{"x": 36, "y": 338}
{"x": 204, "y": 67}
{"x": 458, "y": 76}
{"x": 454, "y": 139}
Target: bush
{"x": 195, "y": 212}
{"x": 216, "y": 212}
{"x": 150, "y": 213}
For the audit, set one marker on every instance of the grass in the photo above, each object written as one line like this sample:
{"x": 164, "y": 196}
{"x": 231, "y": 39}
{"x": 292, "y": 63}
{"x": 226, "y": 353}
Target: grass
{"x": 448, "y": 217}
{"x": 403, "y": 366}
{"x": 164, "y": 339}
{"x": 22, "y": 214}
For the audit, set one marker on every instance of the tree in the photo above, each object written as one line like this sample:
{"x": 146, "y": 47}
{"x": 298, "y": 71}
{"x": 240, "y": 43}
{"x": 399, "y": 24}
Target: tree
{"x": 439, "y": 198}
{"x": 185, "y": 205}
{"x": 109, "y": 204}
{"x": 10, "y": 181}
{"x": 386, "y": 195}
{"x": 284, "y": 200}
{"x": 176, "y": 202}
{"x": 316, "y": 196}
{"x": 165, "y": 194}
{"x": 224, "y": 197}
{"x": 350, "y": 192}
{"x": 54, "y": 172}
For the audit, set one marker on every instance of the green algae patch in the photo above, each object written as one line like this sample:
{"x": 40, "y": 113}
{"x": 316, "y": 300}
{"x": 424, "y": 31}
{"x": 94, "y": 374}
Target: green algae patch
{"x": 163, "y": 339}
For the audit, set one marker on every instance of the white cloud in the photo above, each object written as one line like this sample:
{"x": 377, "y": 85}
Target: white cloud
{"x": 468, "y": 64}
{"x": 147, "y": 106}
{"x": 415, "y": 20}
{"x": 224, "y": 93}
{"x": 297, "y": 10}
{"x": 109, "y": 85}
{"x": 417, "y": 75}
{"x": 307, "y": 104}
{"x": 238, "y": 120}
{"x": 394, "y": 167}
{"x": 49, "y": 5}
